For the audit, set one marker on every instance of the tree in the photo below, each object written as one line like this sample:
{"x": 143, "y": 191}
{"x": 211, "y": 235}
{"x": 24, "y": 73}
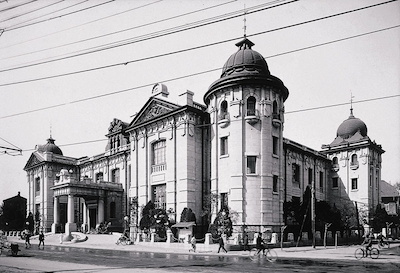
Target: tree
{"x": 188, "y": 215}
{"x": 379, "y": 219}
{"x": 154, "y": 219}
{"x": 222, "y": 224}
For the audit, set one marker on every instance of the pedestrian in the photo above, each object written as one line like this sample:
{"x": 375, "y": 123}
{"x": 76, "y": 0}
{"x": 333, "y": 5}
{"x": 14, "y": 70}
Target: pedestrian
{"x": 41, "y": 240}
{"x": 246, "y": 242}
{"x": 193, "y": 242}
{"x": 221, "y": 244}
{"x": 27, "y": 238}
{"x": 260, "y": 244}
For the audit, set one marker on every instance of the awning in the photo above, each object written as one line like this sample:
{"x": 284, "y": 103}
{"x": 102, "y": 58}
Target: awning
{"x": 184, "y": 224}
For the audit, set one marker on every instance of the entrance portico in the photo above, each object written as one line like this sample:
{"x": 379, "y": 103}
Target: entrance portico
{"x": 95, "y": 195}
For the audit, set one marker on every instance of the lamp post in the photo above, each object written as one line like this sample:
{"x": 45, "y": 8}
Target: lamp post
{"x": 133, "y": 219}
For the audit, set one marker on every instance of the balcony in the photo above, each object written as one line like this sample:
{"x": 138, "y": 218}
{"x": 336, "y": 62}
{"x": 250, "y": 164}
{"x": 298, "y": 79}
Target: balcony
{"x": 276, "y": 120}
{"x": 158, "y": 168}
{"x": 252, "y": 116}
{"x": 354, "y": 165}
{"x": 223, "y": 119}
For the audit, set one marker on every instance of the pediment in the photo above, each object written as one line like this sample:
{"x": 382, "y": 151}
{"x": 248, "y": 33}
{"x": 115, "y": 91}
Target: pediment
{"x": 34, "y": 160}
{"x": 152, "y": 109}
{"x": 116, "y": 126}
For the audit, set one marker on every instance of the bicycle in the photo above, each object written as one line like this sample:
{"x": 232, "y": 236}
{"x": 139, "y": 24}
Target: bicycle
{"x": 123, "y": 240}
{"x": 363, "y": 253}
{"x": 269, "y": 254}
{"x": 383, "y": 244}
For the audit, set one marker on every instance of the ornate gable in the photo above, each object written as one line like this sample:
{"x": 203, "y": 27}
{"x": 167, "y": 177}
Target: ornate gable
{"x": 116, "y": 126}
{"x": 153, "y": 109}
{"x": 34, "y": 160}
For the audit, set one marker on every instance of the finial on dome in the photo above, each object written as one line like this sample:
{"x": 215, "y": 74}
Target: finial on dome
{"x": 244, "y": 21}
{"x": 351, "y": 104}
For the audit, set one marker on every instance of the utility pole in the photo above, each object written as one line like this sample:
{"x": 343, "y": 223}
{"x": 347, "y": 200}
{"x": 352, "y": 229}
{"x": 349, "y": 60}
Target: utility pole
{"x": 313, "y": 212}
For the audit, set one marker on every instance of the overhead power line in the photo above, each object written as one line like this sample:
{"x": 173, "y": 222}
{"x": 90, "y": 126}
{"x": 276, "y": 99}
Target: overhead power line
{"x": 120, "y": 31}
{"x": 150, "y": 36}
{"x": 289, "y": 112}
{"x": 22, "y": 14}
{"x": 52, "y": 12}
{"x": 16, "y": 6}
{"x": 194, "y": 48}
{"x": 185, "y": 28}
{"x": 57, "y": 17}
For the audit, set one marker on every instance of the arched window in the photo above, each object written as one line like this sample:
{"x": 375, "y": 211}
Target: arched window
{"x": 115, "y": 175}
{"x": 354, "y": 159}
{"x": 275, "y": 112}
{"x": 251, "y": 106}
{"x": 223, "y": 110}
{"x": 99, "y": 177}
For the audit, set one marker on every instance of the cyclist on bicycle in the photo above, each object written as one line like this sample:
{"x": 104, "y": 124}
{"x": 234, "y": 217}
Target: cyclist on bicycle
{"x": 367, "y": 243}
{"x": 260, "y": 244}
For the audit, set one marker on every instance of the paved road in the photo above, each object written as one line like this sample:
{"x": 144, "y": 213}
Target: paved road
{"x": 74, "y": 259}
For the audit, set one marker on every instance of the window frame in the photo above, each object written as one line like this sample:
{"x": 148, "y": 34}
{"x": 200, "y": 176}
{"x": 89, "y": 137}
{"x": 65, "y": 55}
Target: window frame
{"x": 253, "y": 167}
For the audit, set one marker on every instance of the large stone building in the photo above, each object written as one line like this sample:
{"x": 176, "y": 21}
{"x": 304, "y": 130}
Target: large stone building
{"x": 178, "y": 155}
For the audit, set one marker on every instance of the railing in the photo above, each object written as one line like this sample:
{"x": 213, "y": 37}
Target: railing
{"x": 158, "y": 168}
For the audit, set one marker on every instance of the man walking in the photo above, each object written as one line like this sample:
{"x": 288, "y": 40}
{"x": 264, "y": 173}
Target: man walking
{"x": 41, "y": 240}
{"x": 221, "y": 244}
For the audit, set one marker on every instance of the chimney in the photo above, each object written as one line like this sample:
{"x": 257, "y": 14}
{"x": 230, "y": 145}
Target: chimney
{"x": 186, "y": 98}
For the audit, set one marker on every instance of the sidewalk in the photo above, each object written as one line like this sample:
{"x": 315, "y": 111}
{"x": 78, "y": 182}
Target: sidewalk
{"x": 107, "y": 241}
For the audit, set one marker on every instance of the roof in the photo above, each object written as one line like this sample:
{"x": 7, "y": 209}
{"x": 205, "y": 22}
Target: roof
{"x": 388, "y": 190}
{"x": 184, "y": 224}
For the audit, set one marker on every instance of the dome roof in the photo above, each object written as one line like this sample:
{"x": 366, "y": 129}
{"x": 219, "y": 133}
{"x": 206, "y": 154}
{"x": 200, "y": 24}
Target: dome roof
{"x": 245, "y": 60}
{"x": 49, "y": 147}
{"x": 246, "y": 66}
{"x": 351, "y": 126}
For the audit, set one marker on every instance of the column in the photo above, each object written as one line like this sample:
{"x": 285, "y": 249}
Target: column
{"x": 56, "y": 214}
{"x": 70, "y": 225}
{"x": 85, "y": 218}
{"x": 100, "y": 211}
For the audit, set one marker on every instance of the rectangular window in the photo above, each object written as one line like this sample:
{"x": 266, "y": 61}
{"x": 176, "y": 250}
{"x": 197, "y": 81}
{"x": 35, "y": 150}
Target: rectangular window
{"x": 99, "y": 177}
{"x": 115, "y": 176}
{"x": 310, "y": 176}
{"x": 354, "y": 184}
{"x": 251, "y": 164}
{"x": 275, "y": 183}
{"x": 275, "y": 145}
{"x": 224, "y": 200}
{"x": 160, "y": 196}
{"x": 159, "y": 156}
{"x": 224, "y": 145}
{"x": 321, "y": 181}
{"x": 335, "y": 183}
{"x": 295, "y": 173}
{"x": 37, "y": 186}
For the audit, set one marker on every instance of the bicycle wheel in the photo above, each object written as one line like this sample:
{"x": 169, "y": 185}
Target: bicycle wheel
{"x": 374, "y": 253}
{"x": 359, "y": 254}
{"x": 271, "y": 255}
{"x": 253, "y": 254}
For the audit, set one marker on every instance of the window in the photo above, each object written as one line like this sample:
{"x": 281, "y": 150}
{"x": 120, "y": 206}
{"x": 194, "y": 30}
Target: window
{"x": 310, "y": 176}
{"x": 159, "y": 152}
{"x": 129, "y": 174}
{"x": 99, "y": 177}
{"x": 354, "y": 184}
{"x": 251, "y": 164}
{"x": 224, "y": 145}
{"x": 224, "y": 110}
{"x": 321, "y": 181}
{"x": 354, "y": 160}
{"x": 115, "y": 176}
{"x": 371, "y": 177}
{"x": 275, "y": 145}
{"x": 296, "y": 174}
{"x": 224, "y": 201}
{"x": 275, "y": 113}
{"x": 335, "y": 164}
{"x": 37, "y": 185}
{"x": 335, "y": 183}
{"x": 113, "y": 210}
{"x": 377, "y": 179}
{"x": 251, "y": 106}
{"x": 159, "y": 196}
{"x": 275, "y": 183}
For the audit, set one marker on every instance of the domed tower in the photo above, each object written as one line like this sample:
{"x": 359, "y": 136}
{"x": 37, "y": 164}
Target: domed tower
{"x": 246, "y": 107}
{"x": 356, "y": 167}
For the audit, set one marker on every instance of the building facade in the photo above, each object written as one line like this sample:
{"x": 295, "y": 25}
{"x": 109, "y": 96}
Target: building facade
{"x": 179, "y": 155}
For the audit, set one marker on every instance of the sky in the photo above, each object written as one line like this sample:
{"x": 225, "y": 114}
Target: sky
{"x": 68, "y": 68}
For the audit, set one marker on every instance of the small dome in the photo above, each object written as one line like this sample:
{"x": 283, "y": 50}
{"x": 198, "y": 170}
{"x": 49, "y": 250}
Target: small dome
{"x": 49, "y": 147}
{"x": 245, "y": 60}
{"x": 351, "y": 126}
